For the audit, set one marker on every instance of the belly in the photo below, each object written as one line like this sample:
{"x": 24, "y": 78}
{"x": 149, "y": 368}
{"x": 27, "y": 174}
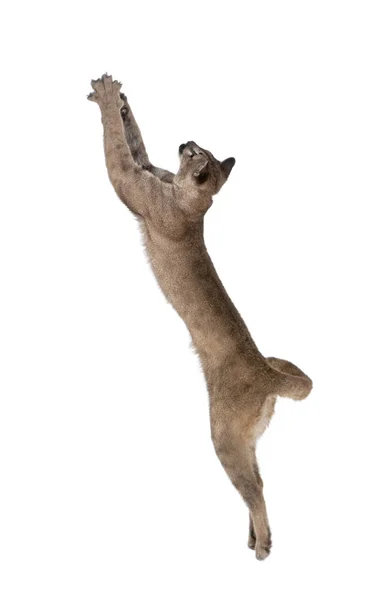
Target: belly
{"x": 266, "y": 413}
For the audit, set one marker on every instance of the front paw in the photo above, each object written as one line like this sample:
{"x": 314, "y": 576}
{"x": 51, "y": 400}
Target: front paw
{"x": 106, "y": 92}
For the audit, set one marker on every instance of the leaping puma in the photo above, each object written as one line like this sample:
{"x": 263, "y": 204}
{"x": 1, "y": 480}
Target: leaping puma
{"x": 243, "y": 385}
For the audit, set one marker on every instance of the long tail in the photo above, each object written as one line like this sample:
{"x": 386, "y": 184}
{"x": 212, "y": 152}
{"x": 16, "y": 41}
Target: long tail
{"x": 292, "y": 382}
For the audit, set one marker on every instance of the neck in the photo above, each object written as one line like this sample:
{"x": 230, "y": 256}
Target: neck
{"x": 189, "y": 280}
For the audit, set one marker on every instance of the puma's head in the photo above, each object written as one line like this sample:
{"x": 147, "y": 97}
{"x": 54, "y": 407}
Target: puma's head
{"x": 200, "y": 174}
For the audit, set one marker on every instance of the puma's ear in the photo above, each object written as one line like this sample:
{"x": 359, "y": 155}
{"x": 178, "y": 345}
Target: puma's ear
{"x": 201, "y": 174}
{"x": 227, "y": 165}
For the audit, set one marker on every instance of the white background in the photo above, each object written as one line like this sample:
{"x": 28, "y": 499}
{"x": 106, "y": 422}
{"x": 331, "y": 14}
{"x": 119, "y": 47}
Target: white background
{"x": 110, "y": 487}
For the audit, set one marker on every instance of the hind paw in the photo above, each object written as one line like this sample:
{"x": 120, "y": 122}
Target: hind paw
{"x": 252, "y": 540}
{"x": 262, "y": 547}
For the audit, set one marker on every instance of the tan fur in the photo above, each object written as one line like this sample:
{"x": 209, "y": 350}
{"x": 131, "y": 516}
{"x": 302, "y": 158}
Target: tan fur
{"x": 242, "y": 384}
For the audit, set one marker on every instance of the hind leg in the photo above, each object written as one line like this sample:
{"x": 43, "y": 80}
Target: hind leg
{"x": 252, "y": 538}
{"x": 238, "y": 460}
{"x": 251, "y": 534}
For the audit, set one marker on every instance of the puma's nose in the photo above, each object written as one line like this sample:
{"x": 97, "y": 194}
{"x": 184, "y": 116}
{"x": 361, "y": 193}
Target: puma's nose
{"x": 190, "y": 149}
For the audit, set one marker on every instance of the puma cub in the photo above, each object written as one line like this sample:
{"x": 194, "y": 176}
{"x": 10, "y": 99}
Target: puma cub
{"x": 243, "y": 385}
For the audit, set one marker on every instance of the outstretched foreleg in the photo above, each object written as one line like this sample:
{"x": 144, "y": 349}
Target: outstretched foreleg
{"x": 132, "y": 184}
{"x": 136, "y": 143}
